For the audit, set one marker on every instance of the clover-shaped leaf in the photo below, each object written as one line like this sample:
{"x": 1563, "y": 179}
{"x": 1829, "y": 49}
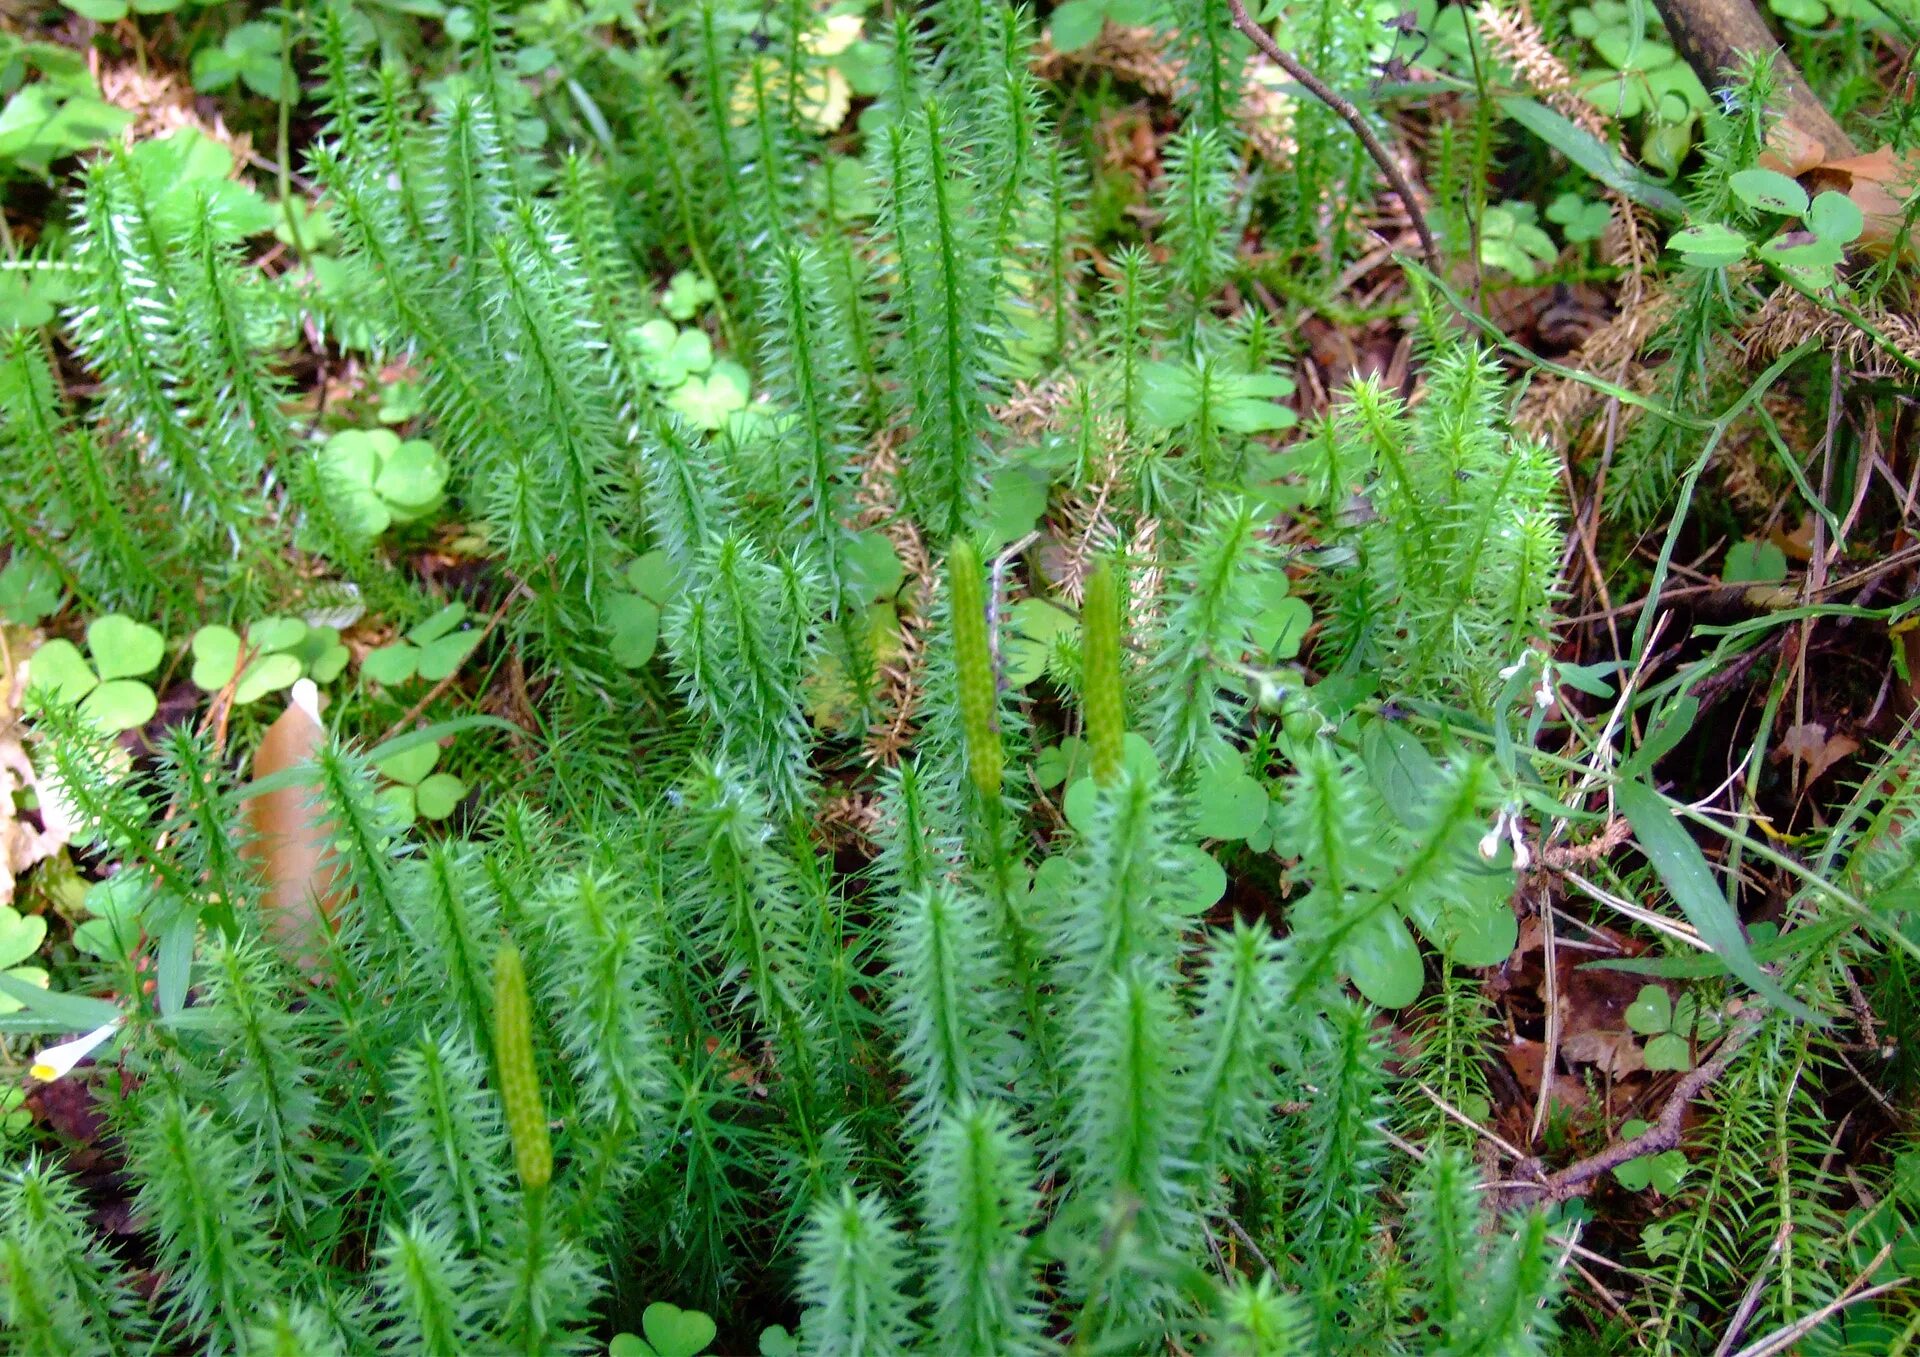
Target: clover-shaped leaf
{"x": 1752, "y": 562}
{"x": 1580, "y": 221}
{"x": 1668, "y": 1051}
{"x": 438, "y": 795}
{"x": 268, "y": 673}
{"x": 1663, "y": 1172}
{"x": 30, "y": 588}
{"x": 1033, "y": 627}
{"x": 123, "y": 648}
{"x": 653, "y": 576}
{"x": 20, "y": 937}
{"x": 1227, "y": 801}
{"x": 1016, "y": 497}
{"x": 1282, "y": 620}
{"x": 686, "y": 293}
{"x": 873, "y": 566}
{"x": 411, "y": 764}
{"x": 1057, "y": 762}
{"x": 674, "y": 1332}
{"x": 114, "y": 906}
{"x": 1651, "y": 1012}
{"x": 412, "y": 481}
{"x": 706, "y": 402}
{"x": 58, "y": 672}
{"x": 391, "y": 665}
{"x": 634, "y": 625}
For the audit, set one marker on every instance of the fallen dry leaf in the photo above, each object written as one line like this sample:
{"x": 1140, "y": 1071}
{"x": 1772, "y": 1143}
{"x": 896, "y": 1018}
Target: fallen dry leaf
{"x": 1810, "y": 744}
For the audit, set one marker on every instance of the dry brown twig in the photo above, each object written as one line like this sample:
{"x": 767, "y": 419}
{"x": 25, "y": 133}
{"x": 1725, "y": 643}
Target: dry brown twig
{"x": 1663, "y": 1135}
{"x": 1352, "y": 117}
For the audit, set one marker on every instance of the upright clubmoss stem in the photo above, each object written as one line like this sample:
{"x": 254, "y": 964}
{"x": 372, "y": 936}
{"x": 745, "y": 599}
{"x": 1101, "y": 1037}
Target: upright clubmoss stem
{"x": 1102, "y": 700}
{"x": 973, "y": 665}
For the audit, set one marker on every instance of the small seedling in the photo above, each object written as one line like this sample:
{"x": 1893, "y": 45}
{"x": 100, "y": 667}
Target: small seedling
{"x": 685, "y": 294}
{"x": 1662, "y": 1172}
{"x": 1668, "y": 1027}
{"x": 1511, "y": 240}
{"x": 1579, "y": 220}
{"x": 418, "y": 792}
{"x": 279, "y": 650}
{"x": 670, "y": 1332}
{"x": 381, "y": 481}
{"x": 110, "y": 690}
{"x": 1807, "y": 255}
{"x": 431, "y": 651}
{"x": 29, "y": 590}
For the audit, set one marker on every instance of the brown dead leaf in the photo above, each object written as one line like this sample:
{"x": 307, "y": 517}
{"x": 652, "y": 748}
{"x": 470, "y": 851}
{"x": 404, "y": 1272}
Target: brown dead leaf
{"x": 21, "y": 843}
{"x": 1810, "y": 744}
{"x": 1613, "y": 1053}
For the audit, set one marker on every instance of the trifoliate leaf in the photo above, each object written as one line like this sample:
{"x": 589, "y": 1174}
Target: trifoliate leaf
{"x": 1028, "y": 636}
{"x": 634, "y": 623}
{"x": 1668, "y": 1051}
{"x": 30, "y": 589}
{"x": 438, "y": 625}
{"x": 1651, "y": 1012}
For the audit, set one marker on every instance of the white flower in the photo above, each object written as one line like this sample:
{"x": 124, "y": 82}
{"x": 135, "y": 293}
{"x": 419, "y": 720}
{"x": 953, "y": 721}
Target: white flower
{"x": 1490, "y": 841}
{"x": 59, "y": 1060}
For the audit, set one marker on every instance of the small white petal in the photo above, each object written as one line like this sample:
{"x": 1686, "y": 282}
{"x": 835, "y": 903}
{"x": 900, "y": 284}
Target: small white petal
{"x": 56, "y": 1061}
{"x": 1490, "y": 842}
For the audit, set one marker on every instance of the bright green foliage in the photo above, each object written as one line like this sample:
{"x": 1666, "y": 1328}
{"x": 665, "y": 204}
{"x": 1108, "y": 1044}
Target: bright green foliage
{"x": 826, "y": 913}
{"x": 1460, "y": 556}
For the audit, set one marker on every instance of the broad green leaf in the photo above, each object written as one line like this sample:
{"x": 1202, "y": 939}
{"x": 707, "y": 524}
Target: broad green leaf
{"x": 653, "y": 576}
{"x": 268, "y": 674}
{"x": 1016, "y": 497}
{"x": 1835, "y": 217}
{"x": 1227, "y": 801}
{"x": 674, "y": 1332}
{"x": 121, "y": 704}
{"x": 1651, "y": 1012}
{"x": 1667, "y": 1051}
{"x": 124, "y": 648}
{"x": 437, "y": 795}
{"x": 1383, "y": 960}
{"x": 1769, "y": 191}
{"x": 270, "y": 635}
{"x": 20, "y": 935}
{"x": 440, "y": 658}
{"x": 30, "y": 588}
{"x": 1075, "y": 23}
{"x": 1711, "y": 246}
{"x": 410, "y": 765}
{"x": 216, "y": 653}
{"x": 1199, "y": 883}
{"x": 392, "y": 664}
{"x": 1028, "y": 635}
{"x": 1596, "y": 158}
{"x": 58, "y": 672}
{"x": 873, "y": 566}
{"x": 412, "y": 480}
{"x": 1683, "y": 869}
{"x": 634, "y": 624}
{"x": 438, "y": 625}
{"x": 1752, "y": 562}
